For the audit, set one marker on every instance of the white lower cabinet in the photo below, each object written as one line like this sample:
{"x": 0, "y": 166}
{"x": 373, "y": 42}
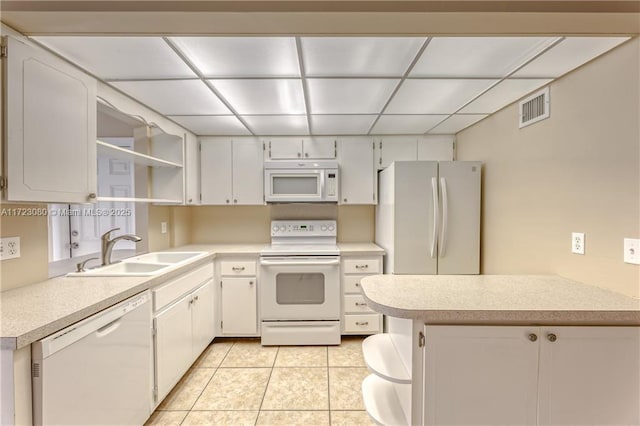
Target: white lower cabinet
{"x": 183, "y": 326}
{"x": 238, "y": 296}
{"x": 503, "y": 375}
{"x": 357, "y": 317}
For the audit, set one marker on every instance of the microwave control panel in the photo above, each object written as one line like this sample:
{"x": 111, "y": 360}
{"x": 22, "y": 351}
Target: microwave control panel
{"x": 331, "y": 184}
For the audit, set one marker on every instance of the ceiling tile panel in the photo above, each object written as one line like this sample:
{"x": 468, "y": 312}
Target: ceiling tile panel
{"x": 229, "y": 57}
{"x": 455, "y": 123}
{"x": 406, "y": 124}
{"x": 492, "y": 57}
{"x": 435, "y": 96}
{"x": 265, "y": 96}
{"x": 349, "y": 96}
{"x": 358, "y": 56}
{"x": 502, "y": 94}
{"x": 175, "y": 97}
{"x": 568, "y": 55}
{"x": 277, "y": 124}
{"x": 341, "y": 124}
{"x": 126, "y": 58}
{"x": 212, "y": 124}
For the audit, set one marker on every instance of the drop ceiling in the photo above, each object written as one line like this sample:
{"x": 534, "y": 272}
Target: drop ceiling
{"x": 328, "y": 85}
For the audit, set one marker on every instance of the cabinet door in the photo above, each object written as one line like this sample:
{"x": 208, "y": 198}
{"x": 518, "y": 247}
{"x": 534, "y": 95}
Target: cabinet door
{"x": 247, "y": 172}
{"x": 202, "y": 316}
{"x": 284, "y": 148}
{"x": 590, "y": 375}
{"x": 239, "y": 306}
{"x": 192, "y": 171}
{"x": 480, "y": 375}
{"x": 358, "y": 177}
{"x": 173, "y": 345}
{"x": 319, "y": 147}
{"x": 215, "y": 171}
{"x": 435, "y": 148}
{"x": 395, "y": 149}
{"x": 51, "y": 128}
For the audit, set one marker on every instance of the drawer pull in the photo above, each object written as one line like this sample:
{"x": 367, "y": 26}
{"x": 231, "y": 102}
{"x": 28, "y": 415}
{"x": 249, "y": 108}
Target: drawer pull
{"x": 362, "y": 266}
{"x": 238, "y": 268}
{"x": 361, "y": 304}
{"x": 357, "y": 284}
{"x": 362, "y": 323}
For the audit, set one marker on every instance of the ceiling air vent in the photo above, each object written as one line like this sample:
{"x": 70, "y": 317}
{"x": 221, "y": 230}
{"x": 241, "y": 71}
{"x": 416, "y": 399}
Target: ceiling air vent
{"x": 534, "y": 108}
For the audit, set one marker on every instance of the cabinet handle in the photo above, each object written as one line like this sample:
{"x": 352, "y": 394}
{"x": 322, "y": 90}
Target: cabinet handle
{"x": 227, "y": 201}
{"x": 299, "y": 155}
{"x": 235, "y": 201}
{"x": 362, "y": 266}
{"x": 195, "y": 298}
{"x": 306, "y": 154}
{"x": 533, "y": 337}
{"x": 250, "y": 282}
{"x": 552, "y": 337}
{"x": 92, "y": 196}
{"x": 360, "y": 304}
{"x": 238, "y": 268}
{"x": 362, "y": 323}
{"x": 357, "y": 284}
{"x": 191, "y": 200}
{"x": 344, "y": 200}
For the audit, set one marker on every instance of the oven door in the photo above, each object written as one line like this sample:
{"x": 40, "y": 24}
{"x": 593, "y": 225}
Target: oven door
{"x": 300, "y": 288}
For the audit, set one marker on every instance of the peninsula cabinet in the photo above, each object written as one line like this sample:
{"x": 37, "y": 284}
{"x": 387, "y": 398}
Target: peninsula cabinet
{"x": 231, "y": 171}
{"x": 50, "y": 150}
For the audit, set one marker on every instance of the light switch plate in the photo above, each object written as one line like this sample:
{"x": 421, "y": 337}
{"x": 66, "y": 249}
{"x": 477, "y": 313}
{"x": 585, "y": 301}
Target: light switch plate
{"x": 9, "y": 248}
{"x": 632, "y": 251}
{"x": 577, "y": 242}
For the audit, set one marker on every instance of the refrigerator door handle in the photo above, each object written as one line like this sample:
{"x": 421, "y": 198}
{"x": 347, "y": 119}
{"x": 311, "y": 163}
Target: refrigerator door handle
{"x": 445, "y": 206}
{"x": 434, "y": 193}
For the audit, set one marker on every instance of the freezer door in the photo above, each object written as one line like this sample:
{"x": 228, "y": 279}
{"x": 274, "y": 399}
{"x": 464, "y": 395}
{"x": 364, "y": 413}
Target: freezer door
{"x": 415, "y": 205}
{"x": 459, "y": 230}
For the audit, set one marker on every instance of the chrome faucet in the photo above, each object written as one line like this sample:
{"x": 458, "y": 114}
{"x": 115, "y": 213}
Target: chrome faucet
{"x": 107, "y": 244}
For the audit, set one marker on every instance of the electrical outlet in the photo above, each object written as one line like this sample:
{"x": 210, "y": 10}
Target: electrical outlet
{"x": 632, "y": 251}
{"x": 163, "y": 227}
{"x": 9, "y": 248}
{"x": 577, "y": 242}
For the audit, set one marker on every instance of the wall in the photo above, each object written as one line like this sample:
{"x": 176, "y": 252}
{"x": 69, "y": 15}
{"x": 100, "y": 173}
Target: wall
{"x": 578, "y": 171}
{"x": 32, "y": 265}
{"x": 251, "y": 224}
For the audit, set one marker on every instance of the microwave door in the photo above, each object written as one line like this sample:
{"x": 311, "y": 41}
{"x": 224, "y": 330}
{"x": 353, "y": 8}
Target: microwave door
{"x": 295, "y": 186}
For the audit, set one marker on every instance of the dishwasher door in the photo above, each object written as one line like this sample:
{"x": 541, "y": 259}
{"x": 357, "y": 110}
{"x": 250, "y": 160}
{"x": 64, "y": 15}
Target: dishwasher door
{"x": 97, "y": 371}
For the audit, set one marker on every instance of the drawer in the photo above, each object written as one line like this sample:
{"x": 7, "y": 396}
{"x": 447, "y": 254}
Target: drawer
{"x": 238, "y": 268}
{"x": 361, "y": 266}
{"x": 172, "y": 290}
{"x": 366, "y": 323}
{"x": 351, "y": 283}
{"x": 355, "y": 304}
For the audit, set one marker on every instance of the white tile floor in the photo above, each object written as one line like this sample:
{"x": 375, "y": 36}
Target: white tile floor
{"x": 240, "y": 382}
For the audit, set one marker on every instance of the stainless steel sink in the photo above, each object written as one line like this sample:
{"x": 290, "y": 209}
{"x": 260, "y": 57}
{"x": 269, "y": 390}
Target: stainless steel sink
{"x": 141, "y": 266}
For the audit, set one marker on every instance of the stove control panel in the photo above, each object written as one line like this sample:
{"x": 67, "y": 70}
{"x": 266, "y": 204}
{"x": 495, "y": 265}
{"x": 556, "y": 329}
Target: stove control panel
{"x": 303, "y": 228}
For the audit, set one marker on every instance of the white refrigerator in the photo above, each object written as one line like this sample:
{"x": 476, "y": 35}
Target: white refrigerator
{"x": 428, "y": 217}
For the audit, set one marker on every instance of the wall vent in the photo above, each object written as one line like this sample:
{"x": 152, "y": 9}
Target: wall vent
{"x": 534, "y": 108}
{"x": 35, "y": 370}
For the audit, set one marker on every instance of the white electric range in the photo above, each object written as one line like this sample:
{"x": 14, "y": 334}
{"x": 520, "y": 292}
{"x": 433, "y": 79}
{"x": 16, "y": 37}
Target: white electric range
{"x": 300, "y": 284}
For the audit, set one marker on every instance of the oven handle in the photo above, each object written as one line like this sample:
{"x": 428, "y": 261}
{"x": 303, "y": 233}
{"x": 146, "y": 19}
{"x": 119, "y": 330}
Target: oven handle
{"x": 302, "y": 261}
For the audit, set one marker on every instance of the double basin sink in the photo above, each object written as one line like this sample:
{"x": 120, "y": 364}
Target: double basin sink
{"x": 149, "y": 264}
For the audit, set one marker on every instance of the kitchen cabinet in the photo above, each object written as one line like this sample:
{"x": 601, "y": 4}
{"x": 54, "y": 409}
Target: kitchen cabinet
{"x": 528, "y": 375}
{"x": 410, "y": 148}
{"x": 231, "y": 171}
{"x": 296, "y": 148}
{"x": 357, "y": 317}
{"x": 238, "y": 297}
{"x": 513, "y": 375}
{"x": 50, "y": 151}
{"x": 358, "y": 177}
{"x": 183, "y": 325}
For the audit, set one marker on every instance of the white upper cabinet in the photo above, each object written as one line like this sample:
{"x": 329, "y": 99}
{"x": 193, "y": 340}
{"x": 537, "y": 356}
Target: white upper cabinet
{"x": 436, "y": 148}
{"x": 298, "y": 147}
{"x": 398, "y": 148}
{"x": 51, "y": 128}
{"x": 231, "y": 171}
{"x": 358, "y": 177}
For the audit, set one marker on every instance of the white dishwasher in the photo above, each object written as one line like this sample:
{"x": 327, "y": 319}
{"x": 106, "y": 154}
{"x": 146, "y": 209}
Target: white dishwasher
{"x": 97, "y": 371}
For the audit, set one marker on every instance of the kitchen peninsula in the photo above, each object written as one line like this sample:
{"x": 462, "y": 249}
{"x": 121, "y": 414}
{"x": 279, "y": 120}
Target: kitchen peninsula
{"x": 501, "y": 349}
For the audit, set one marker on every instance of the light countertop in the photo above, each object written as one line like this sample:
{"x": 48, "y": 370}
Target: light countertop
{"x": 35, "y": 311}
{"x": 360, "y": 249}
{"x": 498, "y": 299}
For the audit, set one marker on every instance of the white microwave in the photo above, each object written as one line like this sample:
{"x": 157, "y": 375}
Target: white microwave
{"x": 301, "y": 181}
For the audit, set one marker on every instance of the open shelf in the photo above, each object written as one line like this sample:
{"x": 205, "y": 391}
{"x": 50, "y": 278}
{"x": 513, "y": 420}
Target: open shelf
{"x": 113, "y": 151}
{"x": 383, "y": 359}
{"x": 381, "y": 401}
